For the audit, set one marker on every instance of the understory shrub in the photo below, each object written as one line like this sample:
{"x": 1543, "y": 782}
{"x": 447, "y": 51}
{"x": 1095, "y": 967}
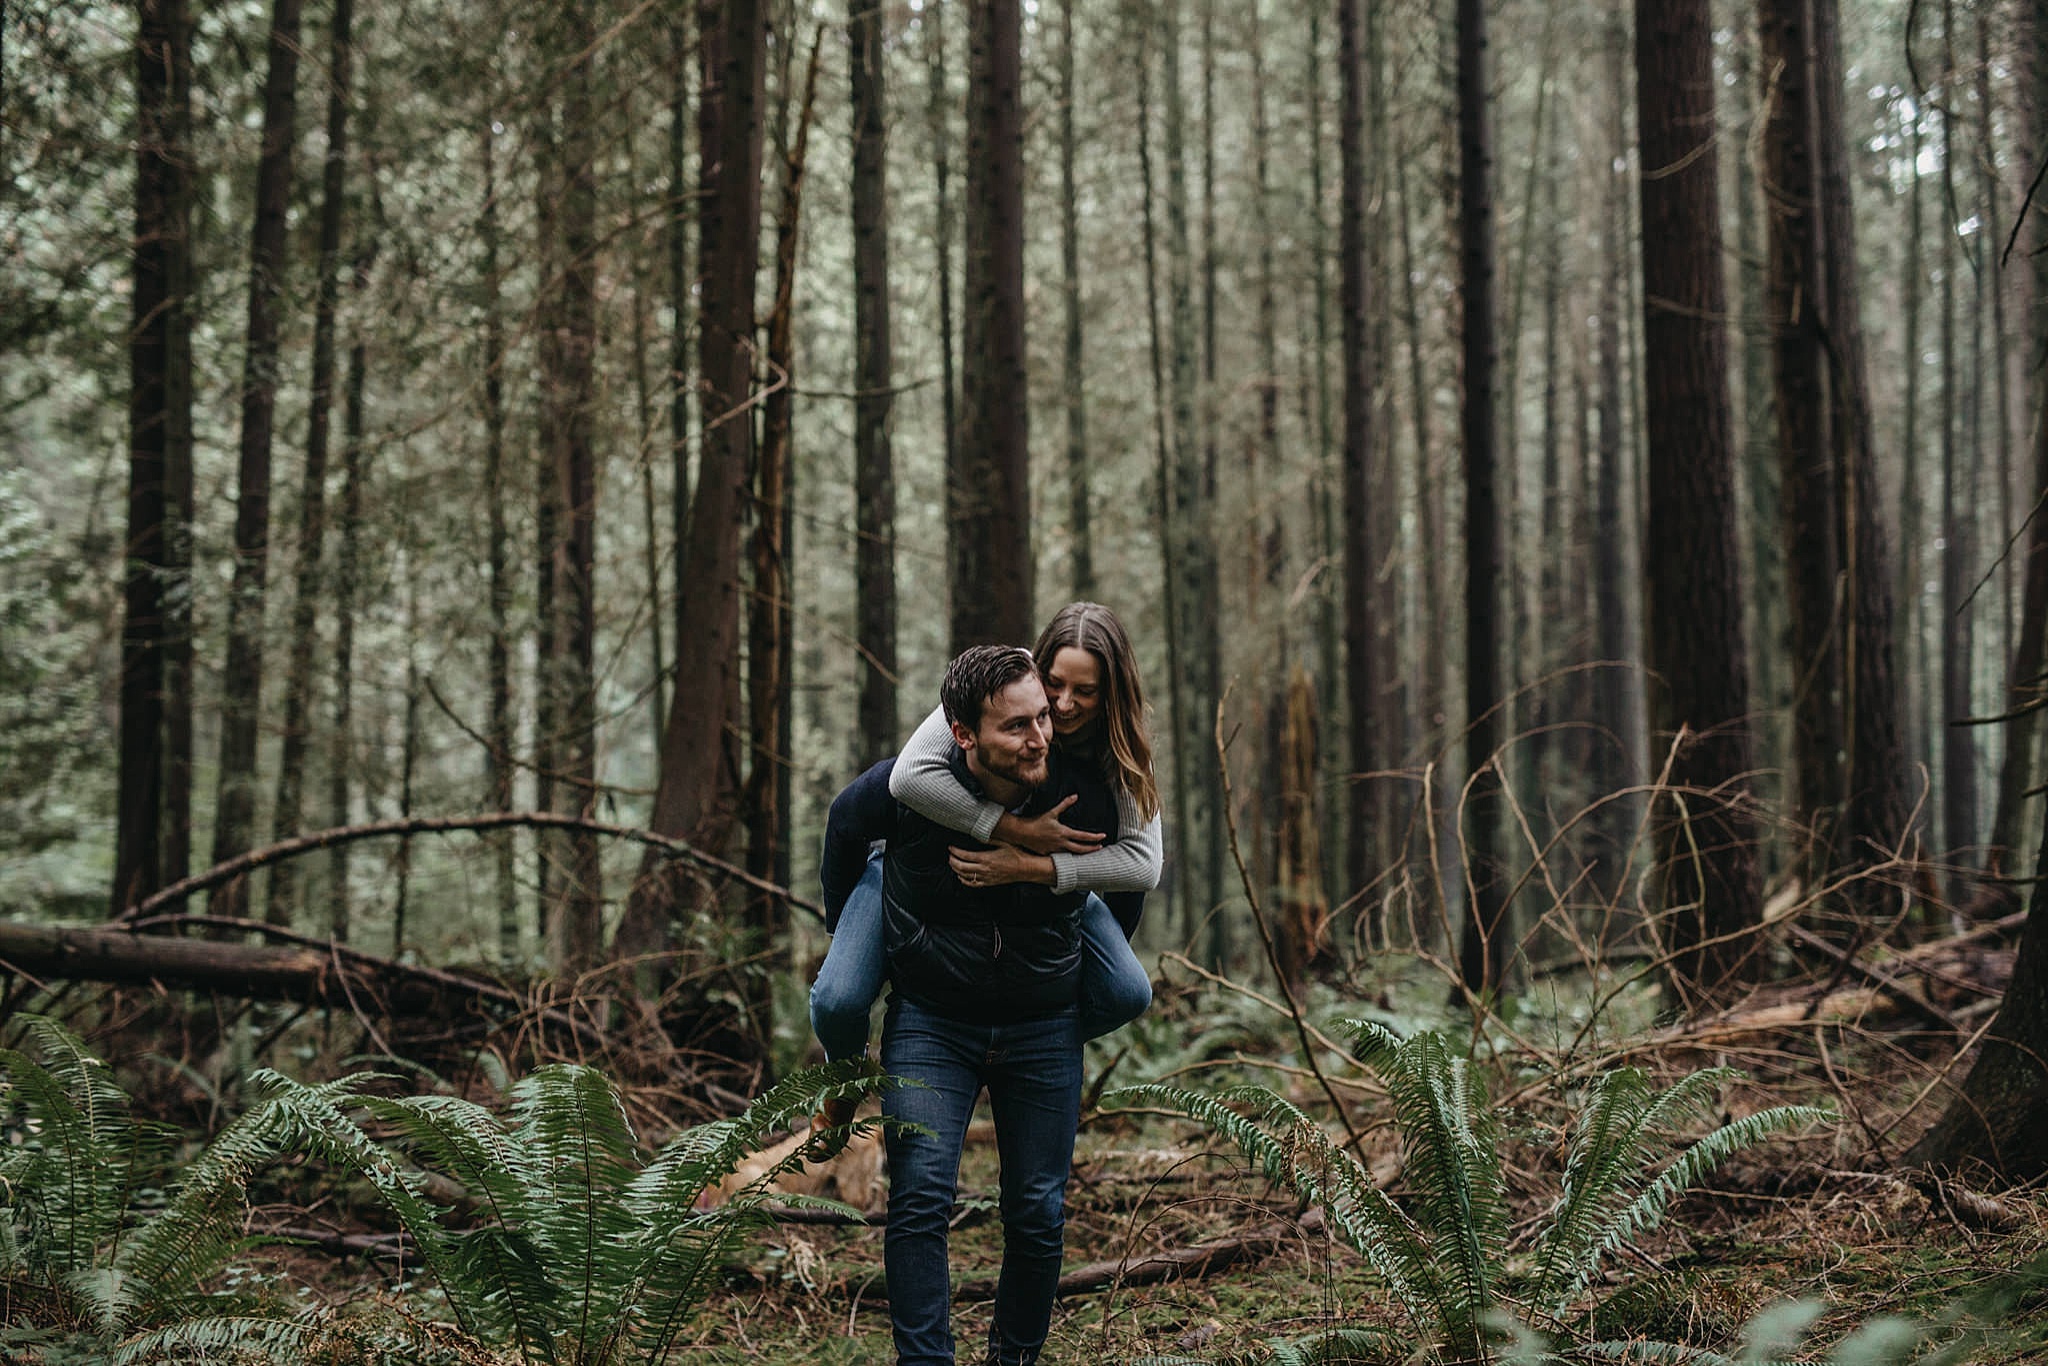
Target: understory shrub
{"x": 1443, "y": 1249}
{"x": 569, "y": 1248}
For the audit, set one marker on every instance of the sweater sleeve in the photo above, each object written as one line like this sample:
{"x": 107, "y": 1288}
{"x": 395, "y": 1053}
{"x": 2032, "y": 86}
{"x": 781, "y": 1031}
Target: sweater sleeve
{"x": 1131, "y": 864}
{"x": 923, "y": 781}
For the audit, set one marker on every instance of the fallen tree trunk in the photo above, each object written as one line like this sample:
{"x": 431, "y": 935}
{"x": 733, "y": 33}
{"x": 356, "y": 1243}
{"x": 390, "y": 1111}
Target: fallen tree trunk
{"x": 307, "y": 971}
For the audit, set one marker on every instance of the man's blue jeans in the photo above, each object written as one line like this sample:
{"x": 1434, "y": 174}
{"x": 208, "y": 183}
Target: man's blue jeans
{"x": 1114, "y": 987}
{"x": 1033, "y": 1073}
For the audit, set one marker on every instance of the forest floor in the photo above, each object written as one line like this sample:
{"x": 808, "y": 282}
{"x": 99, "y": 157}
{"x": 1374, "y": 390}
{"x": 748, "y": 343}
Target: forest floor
{"x": 1822, "y": 1217}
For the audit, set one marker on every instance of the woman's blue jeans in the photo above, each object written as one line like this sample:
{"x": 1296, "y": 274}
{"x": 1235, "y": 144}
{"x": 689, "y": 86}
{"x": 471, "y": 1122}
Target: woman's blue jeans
{"x": 1032, "y": 1070}
{"x": 1114, "y": 988}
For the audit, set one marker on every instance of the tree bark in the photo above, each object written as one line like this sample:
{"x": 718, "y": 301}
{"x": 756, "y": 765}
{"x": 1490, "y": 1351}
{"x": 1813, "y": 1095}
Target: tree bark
{"x": 1958, "y": 556}
{"x": 2030, "y": 652}
{"x": 281, "y": 904}
{"x": 160, "y": 238}
{"x": 575, "y": 917}
{"x": 1483, "y": 948}
{"x": 347, "y": 575}
{"x": 1796, "y": 302}
{"x": 1998, "y": 1119}
{"x": 680, "y": 200}
{"x": 1177, "y": 709}
{"x": 694, "y": 797}
{"x": 768, "y": 647}
{"x": 874, "y": 472}
{"x": 498, "y": 765}
{"x": 1613, "y": 768}
{"x": 1184, "y": 525}
{"x": 1874, "y": 803}
{"x": 1354, "y": 311}
{"x": 235, "y": 795}
{"x": 938, "y": 101}
{"x": 1712, "y": 895}
{"x": 179, "y": 585}
{"x": 1078, "y": 529}
{"x": 988, "y": 485}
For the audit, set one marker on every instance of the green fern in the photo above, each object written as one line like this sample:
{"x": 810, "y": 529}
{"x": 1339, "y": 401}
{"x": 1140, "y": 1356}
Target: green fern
{"x": 578, "y": 1252}
{"x": 1443, "y": 1249}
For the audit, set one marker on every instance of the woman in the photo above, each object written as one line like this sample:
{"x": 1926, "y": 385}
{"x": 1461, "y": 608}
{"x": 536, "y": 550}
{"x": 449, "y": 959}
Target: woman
{"x": 1098, "y": 716}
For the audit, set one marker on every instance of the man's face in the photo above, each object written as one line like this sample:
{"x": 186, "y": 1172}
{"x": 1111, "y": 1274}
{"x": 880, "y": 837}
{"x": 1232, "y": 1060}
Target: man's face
{"x": 1015, "y": 734}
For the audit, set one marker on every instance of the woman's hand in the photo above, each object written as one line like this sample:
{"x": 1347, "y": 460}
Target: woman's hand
{"x": 1043, "y": 833}
{"x": 998, "y": 865}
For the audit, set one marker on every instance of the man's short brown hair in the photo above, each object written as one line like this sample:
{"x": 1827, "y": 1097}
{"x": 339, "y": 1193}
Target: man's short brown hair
{"x": 978, "y": 673}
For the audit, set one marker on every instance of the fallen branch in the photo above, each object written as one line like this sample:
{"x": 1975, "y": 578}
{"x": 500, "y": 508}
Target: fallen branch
{"x": 1884, "y": 981}
{"x": 423, "y": 825}
{"x": 1203, "y": 1259}
{"x": 310, "y": 971}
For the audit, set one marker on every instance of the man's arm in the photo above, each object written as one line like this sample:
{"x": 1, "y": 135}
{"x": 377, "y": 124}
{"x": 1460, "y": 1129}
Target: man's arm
{"x": 862, "y": 813}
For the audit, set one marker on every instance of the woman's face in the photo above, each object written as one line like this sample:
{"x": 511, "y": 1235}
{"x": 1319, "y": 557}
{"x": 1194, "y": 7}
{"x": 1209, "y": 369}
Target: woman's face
{"x": 1074, "y": 684}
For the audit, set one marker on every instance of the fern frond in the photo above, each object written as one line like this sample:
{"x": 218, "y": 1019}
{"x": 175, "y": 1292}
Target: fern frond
{"x": 1603, "y": 1168}
{"x": 223, "y": 1338}
{"x": 1451, "y": 1136}
{"x": 1646, "y": 1211}
{"x": 1359, "y": 1212}
{"x": 573, "y": 1121}
{"x": 1657, "y": 1353}
{"x": 1329, "y": 1344}
{"x": 72, "y": 1182}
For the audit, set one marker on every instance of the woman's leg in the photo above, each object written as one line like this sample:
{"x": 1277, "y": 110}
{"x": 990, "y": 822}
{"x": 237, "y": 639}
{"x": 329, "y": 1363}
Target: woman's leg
{"x": 851, "y": 976}
{"x": 1115, "y": 988}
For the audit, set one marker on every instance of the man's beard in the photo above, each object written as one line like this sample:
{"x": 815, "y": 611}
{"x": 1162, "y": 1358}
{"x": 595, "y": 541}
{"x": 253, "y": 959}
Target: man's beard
{"x": 1011, "y": 769}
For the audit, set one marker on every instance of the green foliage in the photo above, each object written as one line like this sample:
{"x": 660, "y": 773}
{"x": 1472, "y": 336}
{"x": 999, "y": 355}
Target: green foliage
{"x": 80, "y": 1244}
{"x": 1968, "y": 1330}
{"x": 576, "y": 1252}
{"x": 1443, "y": 1250}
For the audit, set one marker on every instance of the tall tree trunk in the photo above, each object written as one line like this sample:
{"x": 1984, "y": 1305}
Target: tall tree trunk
{"x": 1190, "y": 915}
{"x": 1078, "y": 531}
{"x": 575, "y": 929}
{"x": 1712, "y": 894}
{"x": 280, "y": 906}
{"x": 498, "y": 768}
{"x": 1328, "y": 478}
{"x": 1912, "y": 482}
{"x": 874, "y": 472}
{"x": 347, "y": 576}
{"x": 234, "y": 819}
{"x": 156, "y": 310}
{"x": 1958, "y": 743}
{"x": 938, "y": 102}
{"x": 681, "y": 197}
{"x": 1796, "y": 290}
{"x": 693, "y": 799}
{"x": 1205, "y": 563}
{"x": 1613, "y": 768}
{"x": 2030, "y": 651}
{"x": 988, "y": 487}
{"x": 1484, "y": 947}
{"x": 768, "y": 649}
{"x": 1763, "y": 540}
{"x": 1997, "y": 1122}
{"x": 1355, "y": 310}
{"x": 644, "y": 448}
{"x": 176, "y": 604}
{"x": 1874, "y": 803}
{"x": 1186, "y": 527}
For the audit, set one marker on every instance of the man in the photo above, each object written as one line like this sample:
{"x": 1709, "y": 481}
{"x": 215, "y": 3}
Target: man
{"x": 984, "y": 980}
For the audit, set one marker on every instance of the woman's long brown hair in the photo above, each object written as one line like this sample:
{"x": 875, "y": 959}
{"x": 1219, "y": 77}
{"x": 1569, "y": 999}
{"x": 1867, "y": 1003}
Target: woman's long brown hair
{"x": 1127, "y": 748}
